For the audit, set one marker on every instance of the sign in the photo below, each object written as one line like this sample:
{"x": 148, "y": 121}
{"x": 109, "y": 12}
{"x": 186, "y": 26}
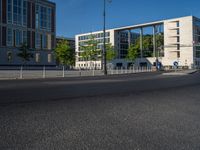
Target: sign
{"x": 175, "y": 64}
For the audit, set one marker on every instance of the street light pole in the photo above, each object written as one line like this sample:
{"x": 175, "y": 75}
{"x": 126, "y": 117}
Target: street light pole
{"x": 104, "y": 39}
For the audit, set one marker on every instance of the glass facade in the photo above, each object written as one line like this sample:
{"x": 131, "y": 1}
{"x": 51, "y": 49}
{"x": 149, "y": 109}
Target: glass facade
{"x": 25, "y": 13}
{"x": 28, "y": 22}
{"x": 9, "y": 11}
{"x": 9, "y": 37}
{"x": 38, "y": 39}
{"x": 43, "y": 17}
{"x": 17, "y": 12}
{"x": 99, "y": 35}
{"x": 18, "y": 37}
{"x": 197, "y": 38}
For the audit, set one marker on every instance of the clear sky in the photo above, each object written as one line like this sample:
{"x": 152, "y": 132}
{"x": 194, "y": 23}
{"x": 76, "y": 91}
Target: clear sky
{"x": 79, "y": 16}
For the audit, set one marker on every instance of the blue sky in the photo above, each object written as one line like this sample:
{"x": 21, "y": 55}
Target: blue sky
{"x": 79, "y": 16}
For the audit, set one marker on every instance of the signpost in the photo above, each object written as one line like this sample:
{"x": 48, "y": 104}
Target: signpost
{"x": 175, "y": 65}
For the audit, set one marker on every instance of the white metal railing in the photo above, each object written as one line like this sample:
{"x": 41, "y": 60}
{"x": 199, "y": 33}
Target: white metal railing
{"x": 45, "y": 72}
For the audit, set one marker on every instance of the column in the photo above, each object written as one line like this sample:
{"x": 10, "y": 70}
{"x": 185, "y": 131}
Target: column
{"x": 154, "y": 41}
{"x": 129, "y": 38}
{"x": 141, "y": 42}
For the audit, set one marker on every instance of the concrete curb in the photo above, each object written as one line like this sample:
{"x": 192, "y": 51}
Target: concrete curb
{"x": 185, "y": 72}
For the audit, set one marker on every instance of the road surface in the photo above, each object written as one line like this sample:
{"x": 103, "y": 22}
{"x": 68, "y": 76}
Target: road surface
{"x": 146, "y": 111}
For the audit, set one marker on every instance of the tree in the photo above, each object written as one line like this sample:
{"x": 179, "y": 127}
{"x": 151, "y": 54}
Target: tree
{"x": 25, "y": 53}
{"x": 110, "y": 52}
{"x": 89, "y": 50}
{"x": 64, "y": 53}
{"x": 133, "y": 52}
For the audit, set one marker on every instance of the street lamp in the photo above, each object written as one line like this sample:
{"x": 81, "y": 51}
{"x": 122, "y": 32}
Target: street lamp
{"x": 104, "y": 38}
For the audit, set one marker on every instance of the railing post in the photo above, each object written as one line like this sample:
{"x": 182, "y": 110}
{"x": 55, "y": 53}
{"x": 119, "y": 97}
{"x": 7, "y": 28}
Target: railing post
{"x": 93, "y": 72}
{"x": 21, "y": 72}
{"x": 80, "y": 72}
{"x": 44, "y": 72}
{"x": 63, "y": 75}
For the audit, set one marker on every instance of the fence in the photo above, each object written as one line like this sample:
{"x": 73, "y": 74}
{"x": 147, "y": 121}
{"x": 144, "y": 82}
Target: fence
{"x": 45, "y": 72}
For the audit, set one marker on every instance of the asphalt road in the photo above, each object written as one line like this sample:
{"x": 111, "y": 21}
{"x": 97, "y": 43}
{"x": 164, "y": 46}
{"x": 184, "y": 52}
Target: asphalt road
{"x": 128, "y": 112}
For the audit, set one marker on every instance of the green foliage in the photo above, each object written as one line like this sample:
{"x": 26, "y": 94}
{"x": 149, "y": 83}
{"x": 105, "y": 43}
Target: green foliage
{"x": 110, "y": 52}
{"x": 64, "y": 54}
{"x": 89, "y": 51}
{"x": 133, "y": 52}
{"x": 24, "y": 53}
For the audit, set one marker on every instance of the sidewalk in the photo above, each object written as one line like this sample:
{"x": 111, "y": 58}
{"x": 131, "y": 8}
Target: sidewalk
{"x": 182, "y": 72}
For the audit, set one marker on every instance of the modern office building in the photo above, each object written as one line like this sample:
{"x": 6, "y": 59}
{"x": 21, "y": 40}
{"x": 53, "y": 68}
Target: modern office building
{"x": 31, "y": 22}
{"x": 169, "y": 41}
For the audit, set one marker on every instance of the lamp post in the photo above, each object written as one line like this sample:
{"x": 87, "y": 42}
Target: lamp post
{"x": 104, "y": 39}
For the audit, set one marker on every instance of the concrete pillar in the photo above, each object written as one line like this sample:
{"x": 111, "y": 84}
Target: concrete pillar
{"x": 141, "y": 42}
{"x": 154, "y": 41}
{"x": 129, "y": 38}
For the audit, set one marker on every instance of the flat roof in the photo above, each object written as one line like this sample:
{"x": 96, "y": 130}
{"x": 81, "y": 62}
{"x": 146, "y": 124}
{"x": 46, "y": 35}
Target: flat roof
{"x": 135, "y": 26}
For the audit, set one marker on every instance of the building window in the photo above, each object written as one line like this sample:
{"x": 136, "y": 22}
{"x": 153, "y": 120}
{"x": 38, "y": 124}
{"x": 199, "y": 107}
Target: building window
{"x": 9, "y": 56}
{"x": 178, "y": 46}
{"x": 17, "y": 12}
{"x": 38, "y": 40}
{"x": 197, "y": 54}
{"x": 49, "y": 19}
{"x": 25, "y": 13}
{"x": 9, "y": 11}
{"x": 25, "y": 37}
{"x": 177, "y": 24}
{"x": 37, "y": 57}
{"x": 49, "y": 58}
{"x": 9, "y": 37}
{"x": 18, "y": 37}
{"x": 43, "y": 16}
{"x": 178, "y": 54}
{"x": 178, "y": 39}
{"x": 178, "y": 31}
{"x": 44, "y": 41}
{"x": 37, "y": 17}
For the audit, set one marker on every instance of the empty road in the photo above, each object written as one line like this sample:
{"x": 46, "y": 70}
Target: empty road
{"x": 146, "y": 111}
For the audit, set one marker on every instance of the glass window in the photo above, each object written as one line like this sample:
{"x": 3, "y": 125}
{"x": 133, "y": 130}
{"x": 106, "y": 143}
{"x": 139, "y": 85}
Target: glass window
{"x": 197, "y": 54}
{"x": 18, "y": 37}
{"x": 38, "y": 40}
{"x": 37, "y": 17}
{"x": 24, "y": 13}
{"x": 49, "y": 19}
{"x": 44, "y": 17}
{"x": 25, "y": 37}
{"x": 44, "y": 41}
{"x": 178, "y": 31}
{"x": 178, "y": 39}
{"x": 177, "y": 24}
{"x": 9, "y": 37}
{"x": 178, "y": 54}
{"x": 17, "y": 12}
{"x": 178, "y": 46}
{"x": 9, "y": 11}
